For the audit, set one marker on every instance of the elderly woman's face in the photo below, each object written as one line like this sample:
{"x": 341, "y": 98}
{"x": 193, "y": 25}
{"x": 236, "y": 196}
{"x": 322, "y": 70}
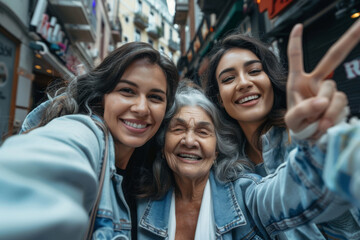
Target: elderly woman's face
{"x": 190, "y": 143}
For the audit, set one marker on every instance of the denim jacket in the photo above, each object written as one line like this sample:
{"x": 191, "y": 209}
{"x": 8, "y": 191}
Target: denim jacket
{"x": 342, "y": 166}
{"x": 276, "y": 147}
{"x": 252, "y": 207}
{"x": 57, "y": 173}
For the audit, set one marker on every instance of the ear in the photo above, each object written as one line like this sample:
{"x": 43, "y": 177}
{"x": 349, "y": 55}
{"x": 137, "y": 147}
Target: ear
{"x": 216, "y": 155}
{"x": 220, "y": 100}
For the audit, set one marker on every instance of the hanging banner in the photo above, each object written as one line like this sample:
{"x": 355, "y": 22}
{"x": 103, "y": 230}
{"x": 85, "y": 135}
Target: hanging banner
{"x": 273, "y": 7}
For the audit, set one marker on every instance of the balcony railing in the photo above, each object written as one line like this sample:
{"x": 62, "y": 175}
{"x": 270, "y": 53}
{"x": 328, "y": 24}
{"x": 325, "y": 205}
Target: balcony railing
{"x": 181, "y": 11}
{"x": 79, "y": 19}
{"x": 173, "y": 46}
{"x": 141, "y": 20}
{"x": 81, "y": 32}
{"x": 155, "y": 31}
{"x": 116, "y": 30}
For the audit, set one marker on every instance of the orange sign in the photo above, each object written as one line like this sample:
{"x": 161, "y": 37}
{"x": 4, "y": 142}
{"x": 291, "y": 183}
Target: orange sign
{"x": 274, "y": 7}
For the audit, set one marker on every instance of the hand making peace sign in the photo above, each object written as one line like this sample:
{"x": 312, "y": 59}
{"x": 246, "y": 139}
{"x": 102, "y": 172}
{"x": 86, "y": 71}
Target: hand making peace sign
{"x": 310, "y": 98}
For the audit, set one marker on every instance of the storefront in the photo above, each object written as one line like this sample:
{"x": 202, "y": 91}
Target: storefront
{"x": 55, "y": 30}
{"x": 324, "y": 23}
{"x": 9, "y": 58}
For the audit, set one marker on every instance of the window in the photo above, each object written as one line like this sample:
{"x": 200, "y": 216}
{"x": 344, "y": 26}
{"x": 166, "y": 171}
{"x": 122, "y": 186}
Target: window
{"x": 137, "y": 36}
{"x": 126, "y": 39}
{"x": 162, "y": 50}
{"x": 163, "y": 26}
{"x": 151, "y": 42}
{"x": 171, "y": 32}
{"x": 127, "y": 19}
{"x": 139, "y": 6}
{"x": 151, "y": 17}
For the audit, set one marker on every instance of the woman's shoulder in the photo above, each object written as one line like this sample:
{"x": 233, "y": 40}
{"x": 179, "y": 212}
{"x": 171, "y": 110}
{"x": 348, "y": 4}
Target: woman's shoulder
{"x": 78, "y": 125}
{"x": 242, "y": 179}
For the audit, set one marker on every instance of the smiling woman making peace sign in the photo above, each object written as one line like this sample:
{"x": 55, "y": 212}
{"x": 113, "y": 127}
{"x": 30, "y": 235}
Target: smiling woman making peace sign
{"x": 248, "y": 83}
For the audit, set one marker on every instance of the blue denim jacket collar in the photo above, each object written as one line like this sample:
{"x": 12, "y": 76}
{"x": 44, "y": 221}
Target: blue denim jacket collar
{"x": 156, "y": 215}
{"x": 230, "y": 216}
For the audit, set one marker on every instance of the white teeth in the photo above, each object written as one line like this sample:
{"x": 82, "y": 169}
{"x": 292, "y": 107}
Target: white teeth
{"x": 135, "y": 125}
{"x": 191, "y": 156}
{"x": 249, "y": 98}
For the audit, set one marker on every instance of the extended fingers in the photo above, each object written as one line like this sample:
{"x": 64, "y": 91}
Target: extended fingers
{"x": 295, "y": 54}
{"x": 305, "y": 113}
{"x": 338, "y": 52}
{"x": 335, "y": 110}
{"x": 327, "y": 89}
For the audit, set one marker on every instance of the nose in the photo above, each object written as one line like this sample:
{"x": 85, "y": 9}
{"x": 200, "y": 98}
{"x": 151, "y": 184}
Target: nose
{"x": 140, "y": 106}
{"x": 243, "y": 83}
{"x": 189, "y": 140}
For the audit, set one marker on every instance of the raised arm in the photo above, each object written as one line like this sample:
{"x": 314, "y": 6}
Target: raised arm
{"x": 296, "y": 193}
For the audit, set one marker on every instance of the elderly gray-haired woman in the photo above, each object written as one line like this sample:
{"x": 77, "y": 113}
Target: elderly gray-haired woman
{"x": 197, "y": 189}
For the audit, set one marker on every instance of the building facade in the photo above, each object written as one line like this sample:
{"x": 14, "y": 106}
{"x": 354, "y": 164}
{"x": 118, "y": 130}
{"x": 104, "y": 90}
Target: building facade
{"x": 150, "y": 21}
{"x": 46, "y": 42}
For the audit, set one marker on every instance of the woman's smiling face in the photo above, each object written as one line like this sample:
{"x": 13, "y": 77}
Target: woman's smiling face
{"x": 245, "y": 89}
{"x": 190, "y": 144}
{"x": 135, "y": 108}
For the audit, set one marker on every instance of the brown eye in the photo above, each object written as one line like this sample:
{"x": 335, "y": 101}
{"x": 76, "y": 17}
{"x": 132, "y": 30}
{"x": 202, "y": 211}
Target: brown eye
{"x": 227, "y": 79}
{"x": 156, "y": 98}
{"x": 126, "y": 90}
{"x": 255, "y": 71}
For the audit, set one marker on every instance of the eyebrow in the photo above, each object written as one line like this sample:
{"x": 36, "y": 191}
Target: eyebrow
{"x": 248, "y": 63}
{"x": 135, "y": 85}
{"x": 198, "y": 124}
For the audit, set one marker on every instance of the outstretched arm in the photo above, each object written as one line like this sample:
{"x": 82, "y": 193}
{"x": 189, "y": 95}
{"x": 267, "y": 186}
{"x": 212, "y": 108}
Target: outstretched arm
{"x": 48, "y": 180}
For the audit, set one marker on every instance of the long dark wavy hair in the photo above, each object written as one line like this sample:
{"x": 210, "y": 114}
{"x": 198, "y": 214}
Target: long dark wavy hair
{"x": 85, "y": 93}
{"x": 272, "y": 67}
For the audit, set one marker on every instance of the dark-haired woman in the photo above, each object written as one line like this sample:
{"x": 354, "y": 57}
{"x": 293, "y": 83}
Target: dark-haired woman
{"x": 49, "y": 176}
{"x": 248, "y": 83}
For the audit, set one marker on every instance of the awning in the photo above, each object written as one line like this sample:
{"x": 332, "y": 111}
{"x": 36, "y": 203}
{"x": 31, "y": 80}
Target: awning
{"x": 231, "y": 20}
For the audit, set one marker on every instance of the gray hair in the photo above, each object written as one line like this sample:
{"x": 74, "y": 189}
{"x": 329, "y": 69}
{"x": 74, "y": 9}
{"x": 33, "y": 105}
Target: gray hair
{"x": 227, "y": 165}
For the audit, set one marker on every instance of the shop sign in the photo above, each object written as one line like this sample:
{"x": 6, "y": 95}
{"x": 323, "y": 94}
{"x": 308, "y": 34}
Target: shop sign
{"x": 352, "y": 69}
{"x": 274, "y": 7}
